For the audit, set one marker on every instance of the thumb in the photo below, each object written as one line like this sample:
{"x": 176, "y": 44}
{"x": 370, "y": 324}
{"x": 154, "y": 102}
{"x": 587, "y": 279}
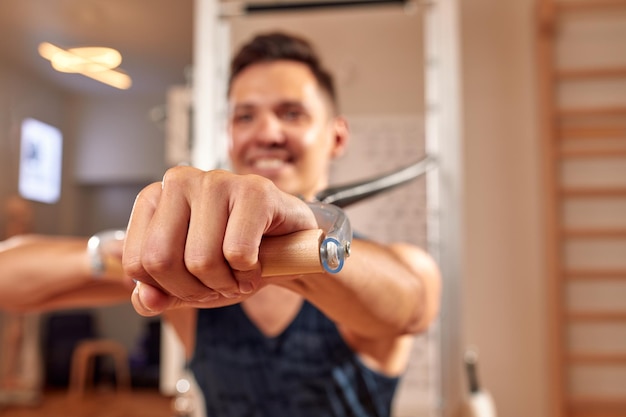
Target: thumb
{"x": 149, "y": 301}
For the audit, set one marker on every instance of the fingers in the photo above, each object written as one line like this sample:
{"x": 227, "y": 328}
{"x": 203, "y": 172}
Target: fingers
{"x": 250, "y": 216}
{"x": 175, "y": 251}
{"x": 149, "y": 301}
{"x": 195, "y": 237}
{"x": 165, "y": 242}
{"x": 138, "y": 225}
{"x": 203, "y": 255}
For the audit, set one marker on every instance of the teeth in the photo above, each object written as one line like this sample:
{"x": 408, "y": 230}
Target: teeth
{"x": 269, "y": 163}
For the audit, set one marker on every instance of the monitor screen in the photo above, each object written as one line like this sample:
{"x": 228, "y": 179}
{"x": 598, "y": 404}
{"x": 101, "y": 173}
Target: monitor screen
{"x": 40, "y": 161}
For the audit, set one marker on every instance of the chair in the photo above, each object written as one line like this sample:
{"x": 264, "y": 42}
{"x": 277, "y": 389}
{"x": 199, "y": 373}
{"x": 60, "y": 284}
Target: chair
{"x": 82, "y": 366}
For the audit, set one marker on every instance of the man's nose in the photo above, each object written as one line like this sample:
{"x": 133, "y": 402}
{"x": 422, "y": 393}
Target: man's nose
{"x": 270, "y": 129}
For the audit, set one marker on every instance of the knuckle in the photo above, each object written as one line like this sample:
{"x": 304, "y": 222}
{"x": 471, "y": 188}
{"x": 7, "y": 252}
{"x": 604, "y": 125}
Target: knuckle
{"x": 241, "y": 256}
{"x": 133, "y": 267}
{"x": 261, "y": 186}
{"x": 158, "y": 262}
{"x": 259, "y": 192}
{"x": 179, "y": 177}
{"x": 199, "y": 265}
{"x": 176, "y": 174}
{"x": 148, "y": 194}
{"x": 218, "y": 181}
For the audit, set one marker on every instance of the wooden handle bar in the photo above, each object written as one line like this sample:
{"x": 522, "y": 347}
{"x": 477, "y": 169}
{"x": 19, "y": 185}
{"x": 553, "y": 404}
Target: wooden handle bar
{"x": 294, "y": 254}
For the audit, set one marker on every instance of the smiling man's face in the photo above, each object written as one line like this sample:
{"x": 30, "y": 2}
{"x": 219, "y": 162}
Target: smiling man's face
{"x": 281, "y": 126}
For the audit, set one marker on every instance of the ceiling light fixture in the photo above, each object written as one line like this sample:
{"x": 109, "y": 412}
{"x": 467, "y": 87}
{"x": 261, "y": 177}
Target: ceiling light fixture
{"x": 98, "y": 63}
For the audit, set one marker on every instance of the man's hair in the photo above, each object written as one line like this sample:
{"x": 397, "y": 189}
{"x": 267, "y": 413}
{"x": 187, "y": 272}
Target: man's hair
{"x": 278, "y": 46}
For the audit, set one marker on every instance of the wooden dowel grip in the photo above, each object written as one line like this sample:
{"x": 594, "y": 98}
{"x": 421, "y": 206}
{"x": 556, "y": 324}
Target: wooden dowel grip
{"x": 293, "y": 254}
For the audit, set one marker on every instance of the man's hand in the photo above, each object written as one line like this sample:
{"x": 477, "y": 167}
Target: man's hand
{"x": 193, "y": 240}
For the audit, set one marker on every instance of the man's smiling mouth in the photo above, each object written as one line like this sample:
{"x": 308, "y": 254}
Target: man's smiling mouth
{"x": 269, "y": 163}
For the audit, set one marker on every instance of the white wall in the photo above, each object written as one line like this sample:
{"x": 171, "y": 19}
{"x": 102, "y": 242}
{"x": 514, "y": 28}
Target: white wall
{"x": 504, "y": 301}
{"x": 375, "y": 53}
{"x": 117, "y": 140}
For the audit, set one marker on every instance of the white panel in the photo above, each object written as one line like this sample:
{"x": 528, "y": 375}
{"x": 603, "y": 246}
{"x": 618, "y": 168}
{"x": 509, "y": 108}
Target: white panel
{"x": 40, "y": 161}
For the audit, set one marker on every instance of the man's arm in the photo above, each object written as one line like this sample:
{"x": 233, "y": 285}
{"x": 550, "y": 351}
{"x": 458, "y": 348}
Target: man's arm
{"x": 195, "y": 238}
{"x": 382, "y": 291}
{"x": 382, "y": 296}
{"x": 43, "y": 273}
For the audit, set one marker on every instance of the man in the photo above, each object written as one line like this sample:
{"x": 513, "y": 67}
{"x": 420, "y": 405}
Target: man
{"x": 300, "y": 345}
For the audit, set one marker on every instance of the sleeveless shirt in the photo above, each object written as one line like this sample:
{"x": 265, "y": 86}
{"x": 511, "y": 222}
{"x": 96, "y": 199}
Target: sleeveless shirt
{"x": 306, "y": 371}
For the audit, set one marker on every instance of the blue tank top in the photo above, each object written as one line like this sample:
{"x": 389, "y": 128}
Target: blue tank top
{"x": 306, "y": 371}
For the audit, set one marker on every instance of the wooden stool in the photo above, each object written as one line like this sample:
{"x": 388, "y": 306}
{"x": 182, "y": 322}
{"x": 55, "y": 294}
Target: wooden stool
{"x": 82, "y": 368}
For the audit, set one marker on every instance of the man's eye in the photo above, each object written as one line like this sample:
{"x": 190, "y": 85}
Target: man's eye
{"x": 292, "y": 115}
{"x": 242, "y": 118}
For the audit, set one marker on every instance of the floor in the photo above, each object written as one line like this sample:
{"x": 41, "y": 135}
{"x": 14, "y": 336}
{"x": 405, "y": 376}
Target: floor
{"x": 138, "y": 403}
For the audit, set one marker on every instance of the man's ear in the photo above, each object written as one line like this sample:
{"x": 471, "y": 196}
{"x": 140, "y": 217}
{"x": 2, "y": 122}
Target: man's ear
{"x": 341, "y": 133}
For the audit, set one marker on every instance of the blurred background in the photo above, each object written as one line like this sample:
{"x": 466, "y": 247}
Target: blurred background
{"x": 523, "y": 102}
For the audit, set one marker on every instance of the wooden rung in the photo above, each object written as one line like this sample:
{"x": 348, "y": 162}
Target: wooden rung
{"x": 596, "y": 406}
{"x": 594, "y": 233}
{"x": 593, "y": 153}
{"x": 585, "y": 73}
{"x": 597, "y": 315}
{"x": 594, "y": 192}
{"x": 595, "y": 274}
{"x": 598, "y": 358}
{"x": 585, "y": 5}
{"x": 592, "y": 133}
{"x": 593, "y": 111}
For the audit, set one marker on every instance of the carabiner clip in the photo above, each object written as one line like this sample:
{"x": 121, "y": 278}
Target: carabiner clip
{"x": 335, "y": 246}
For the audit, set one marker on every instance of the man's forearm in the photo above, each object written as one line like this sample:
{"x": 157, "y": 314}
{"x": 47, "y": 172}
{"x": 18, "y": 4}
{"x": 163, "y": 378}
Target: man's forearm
{"x": 35, "y": 270}
{"x": 381, "y": 291}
